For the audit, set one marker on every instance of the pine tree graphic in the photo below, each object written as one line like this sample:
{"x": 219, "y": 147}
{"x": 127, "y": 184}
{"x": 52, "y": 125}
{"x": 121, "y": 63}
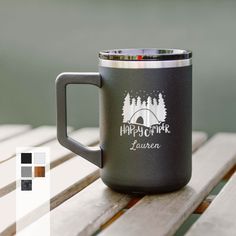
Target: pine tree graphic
{"x": 126, "y": 108}
{"x": 161, "y": 109}
{"x": 147, "y": 112}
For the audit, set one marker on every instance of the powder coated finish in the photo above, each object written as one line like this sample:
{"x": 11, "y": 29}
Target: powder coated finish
{"x": 145, "y": 126}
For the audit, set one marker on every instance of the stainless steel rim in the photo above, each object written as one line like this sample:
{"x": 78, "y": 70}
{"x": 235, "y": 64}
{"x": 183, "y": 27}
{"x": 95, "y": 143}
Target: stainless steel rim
{"x": 145, "y": 64}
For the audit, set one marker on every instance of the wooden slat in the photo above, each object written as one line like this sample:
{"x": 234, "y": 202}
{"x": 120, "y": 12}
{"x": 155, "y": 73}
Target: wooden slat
{"x": 7, "y": 178}
{"x": 66, "y": 179}
{"x": 163, "y": 214}
{"x": 59, "y": 154}
{"x": 220, "y": 217}
{"x": 85, "y": 212}
{"x": 7, "y": 131}
{"x": 31, "y": 138}
{"x": 80, "y": 173}
{"x": 198, "y": 138}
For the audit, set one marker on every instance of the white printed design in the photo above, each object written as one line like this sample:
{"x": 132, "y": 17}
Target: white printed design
{"x": 149, "y": 112}
{"x": 144, "y": 115}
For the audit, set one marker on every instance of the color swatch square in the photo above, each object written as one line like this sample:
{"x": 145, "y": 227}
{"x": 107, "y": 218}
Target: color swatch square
{"x": 39, "y": 171}
{"x": 26, "y": 171}
{"x": 26, "y": 158}
{"x": 26, "y": 185}
{"x": 39, "y": 158}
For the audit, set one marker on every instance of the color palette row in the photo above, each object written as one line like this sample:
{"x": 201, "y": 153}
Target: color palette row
{"x": 32, "y": 166}
{"x": 27, "y": 171}
{"x": 38, "y": 158}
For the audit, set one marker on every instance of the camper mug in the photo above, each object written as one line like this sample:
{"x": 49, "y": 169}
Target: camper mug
{"x": 145, "y": 119}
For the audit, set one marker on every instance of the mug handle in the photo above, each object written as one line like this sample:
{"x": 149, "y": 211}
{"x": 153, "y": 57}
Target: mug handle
{"x": 92, "y": 154}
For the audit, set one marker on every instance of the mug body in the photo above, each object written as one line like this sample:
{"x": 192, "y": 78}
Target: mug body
{"x": 146, "y": 119}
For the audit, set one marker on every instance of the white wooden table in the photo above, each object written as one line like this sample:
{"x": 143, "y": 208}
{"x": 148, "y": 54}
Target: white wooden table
{"x": 82, "y": 205}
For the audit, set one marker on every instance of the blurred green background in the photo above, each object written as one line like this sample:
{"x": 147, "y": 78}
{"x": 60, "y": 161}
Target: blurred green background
{"x": 40, "y": 39}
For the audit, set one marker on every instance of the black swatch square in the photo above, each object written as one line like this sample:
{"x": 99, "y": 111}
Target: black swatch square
{"x": 26, "y": 185}
{"x": 26, "y": 158}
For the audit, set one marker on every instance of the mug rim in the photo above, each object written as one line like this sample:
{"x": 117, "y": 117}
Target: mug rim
{"x": 145, "y": 54}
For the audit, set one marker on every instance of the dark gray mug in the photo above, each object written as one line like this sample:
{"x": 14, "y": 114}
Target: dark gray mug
{"x": 145, "y": 118}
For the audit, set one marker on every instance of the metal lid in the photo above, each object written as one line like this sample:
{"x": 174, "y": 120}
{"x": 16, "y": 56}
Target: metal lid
{"x": 146, "y": 54}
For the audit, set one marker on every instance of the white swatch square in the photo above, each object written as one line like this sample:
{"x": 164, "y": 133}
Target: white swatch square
{"x": 39, "y": 158}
